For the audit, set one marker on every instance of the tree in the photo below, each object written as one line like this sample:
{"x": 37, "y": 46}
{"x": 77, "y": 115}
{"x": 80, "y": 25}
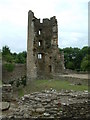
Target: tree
{"x": 13, "y": 57}
{"x": 85, "y": 50}
{"x": 85, "y": 64}
{"x": 6, "y": 54}
{"x": 8, "y": 58}
{"x": 5, "y": 50}
{"x": 70, "y": 65}
{"x": 74, "y": 56}
{"x": 70, "y": 55}
{"x": 21, "y": 57}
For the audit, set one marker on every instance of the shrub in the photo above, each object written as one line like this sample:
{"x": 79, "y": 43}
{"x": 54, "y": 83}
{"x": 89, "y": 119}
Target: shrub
{"x": 11, "y": 82}
{"x": 18, "y": 83}
{"x": 24, "y": 81}
{"x": 9, "y": 67}
{"x": 21, "y": 81}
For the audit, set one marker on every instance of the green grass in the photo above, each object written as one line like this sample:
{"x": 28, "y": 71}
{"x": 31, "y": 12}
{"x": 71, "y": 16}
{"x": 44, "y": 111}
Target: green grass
{"x": 39, "y": 85}
{"x": 58, "y": 85}
{"x": 20, "y": 92}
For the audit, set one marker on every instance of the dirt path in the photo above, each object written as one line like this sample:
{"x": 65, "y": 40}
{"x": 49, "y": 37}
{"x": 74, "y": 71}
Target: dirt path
{"x": 82, "y": 76}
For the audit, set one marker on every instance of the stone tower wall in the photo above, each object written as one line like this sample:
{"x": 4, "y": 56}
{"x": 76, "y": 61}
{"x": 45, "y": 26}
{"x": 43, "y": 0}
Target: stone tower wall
{"x": 31, "y": 67}
{"x": 43, "y": 56}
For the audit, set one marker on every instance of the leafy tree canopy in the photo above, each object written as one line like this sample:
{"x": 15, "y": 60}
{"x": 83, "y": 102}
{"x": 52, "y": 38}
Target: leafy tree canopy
{"x": 76, "y": 58}
{"x": 13, "y": 57}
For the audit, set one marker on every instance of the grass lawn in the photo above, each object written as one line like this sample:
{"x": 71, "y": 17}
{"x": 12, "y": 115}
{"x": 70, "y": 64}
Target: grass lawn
{"x": 39, "y": 85}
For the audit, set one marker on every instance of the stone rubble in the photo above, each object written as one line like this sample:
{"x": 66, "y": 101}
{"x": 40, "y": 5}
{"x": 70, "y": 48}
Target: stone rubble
{"x": 4, "y": 106}
{"x": 7, "y": 92}
{"x": 51, "y": 104}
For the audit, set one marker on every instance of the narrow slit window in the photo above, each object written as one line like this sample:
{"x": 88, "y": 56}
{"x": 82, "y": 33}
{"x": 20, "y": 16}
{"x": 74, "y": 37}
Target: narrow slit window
{"x": 39, "y": 32}
{"x": 39, "y": 56}
{"x": 39, "y": 43}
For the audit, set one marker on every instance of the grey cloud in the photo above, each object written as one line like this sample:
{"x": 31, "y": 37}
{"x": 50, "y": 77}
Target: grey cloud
{"x": 72, "y": 17}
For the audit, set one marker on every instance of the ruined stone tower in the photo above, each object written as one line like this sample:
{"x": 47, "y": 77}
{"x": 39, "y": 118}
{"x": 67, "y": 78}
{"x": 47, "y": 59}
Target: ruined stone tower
{"x": 43, "y": 56}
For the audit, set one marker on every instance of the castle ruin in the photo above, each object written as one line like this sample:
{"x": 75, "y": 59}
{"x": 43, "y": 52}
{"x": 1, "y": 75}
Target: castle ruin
{"x": 43, "y": 55}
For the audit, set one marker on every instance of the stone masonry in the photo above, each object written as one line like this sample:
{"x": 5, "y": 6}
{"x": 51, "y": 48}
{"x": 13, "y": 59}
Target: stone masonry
{"x": 7, "y": 93}
{"x": 50, "y": 104}
{"x": 43, "y": 55}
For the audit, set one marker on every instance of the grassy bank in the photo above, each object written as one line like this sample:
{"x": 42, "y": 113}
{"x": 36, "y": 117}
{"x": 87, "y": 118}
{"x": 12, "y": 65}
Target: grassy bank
{"x": 40, "y": 85}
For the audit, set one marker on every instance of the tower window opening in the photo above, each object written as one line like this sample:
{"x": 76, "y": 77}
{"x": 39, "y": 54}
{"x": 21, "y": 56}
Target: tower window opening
{"x": 39, "y": 32}
{"x": 40, "y": 43}
{"x": 41, "y": 20}
{"x": 39, "y": 56}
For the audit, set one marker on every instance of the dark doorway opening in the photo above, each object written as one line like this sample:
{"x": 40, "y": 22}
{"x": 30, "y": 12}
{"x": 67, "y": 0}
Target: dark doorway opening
{"x": 50, "y": 68}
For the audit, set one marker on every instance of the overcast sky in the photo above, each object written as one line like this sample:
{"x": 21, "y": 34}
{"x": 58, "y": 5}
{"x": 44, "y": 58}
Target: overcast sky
{"x": 72, "y": 16}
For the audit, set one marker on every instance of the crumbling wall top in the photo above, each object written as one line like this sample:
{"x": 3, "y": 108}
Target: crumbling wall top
{"x": 44, "y": 21}
{"x": 30, "y": 12}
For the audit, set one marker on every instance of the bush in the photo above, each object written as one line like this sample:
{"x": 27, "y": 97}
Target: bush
{"x": 21, "y": 81}
{"x": 11, "y": 82}
{"x": 9, "y": 67}
{"x": 18, "y": 83}
{"x": 24, "y": 81}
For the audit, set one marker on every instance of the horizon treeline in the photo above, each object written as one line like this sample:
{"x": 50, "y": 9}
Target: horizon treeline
{"x": 74, "y": 58}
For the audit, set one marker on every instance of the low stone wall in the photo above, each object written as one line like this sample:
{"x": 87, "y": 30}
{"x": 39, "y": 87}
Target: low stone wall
{"x": 18, "y": 72}
{"x": 7, "y": 92}
{"x": 69, "y": 71}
